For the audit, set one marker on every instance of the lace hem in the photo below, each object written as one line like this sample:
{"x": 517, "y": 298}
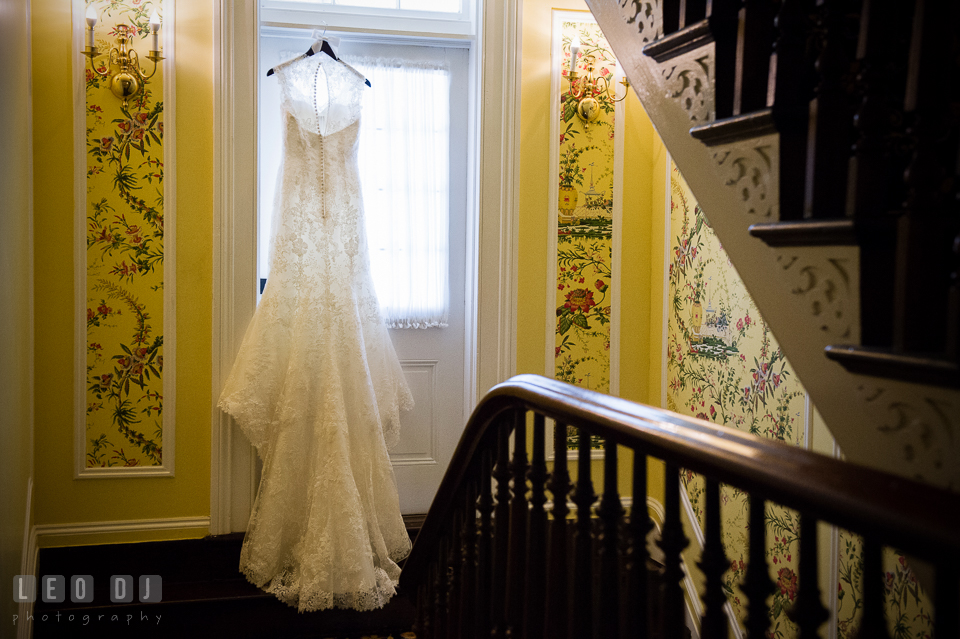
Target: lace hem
{"x": 362, "y": 600}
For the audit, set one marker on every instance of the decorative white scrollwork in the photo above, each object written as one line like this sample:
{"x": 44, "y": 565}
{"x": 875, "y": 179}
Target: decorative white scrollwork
{"x": 823, "y": 283}
{"x": 922, "y": 421}
{"x": 687, "y": 80}
{"x": 747, "y": 169}
{"x": 647, "y": 15}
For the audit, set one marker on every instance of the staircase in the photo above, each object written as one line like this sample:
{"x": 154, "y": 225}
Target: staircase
{"x": 203, "y": 595}
{"x": 821, "y": 140}
{"x": 494, "y": 559}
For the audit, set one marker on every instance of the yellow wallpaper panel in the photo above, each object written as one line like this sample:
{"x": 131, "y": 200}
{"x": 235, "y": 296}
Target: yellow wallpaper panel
{"x": 585, "y": 223}
{"x": 125, "y": 240}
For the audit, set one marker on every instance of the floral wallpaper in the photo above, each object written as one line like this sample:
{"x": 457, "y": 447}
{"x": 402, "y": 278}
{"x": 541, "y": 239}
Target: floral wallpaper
{"x": 125, "y": 241}
{"x": 725, "y": 366}
{"x": 584, "y": 222}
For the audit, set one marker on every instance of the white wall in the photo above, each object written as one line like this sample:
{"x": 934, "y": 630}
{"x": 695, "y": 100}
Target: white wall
{"x": 16, "y": 296}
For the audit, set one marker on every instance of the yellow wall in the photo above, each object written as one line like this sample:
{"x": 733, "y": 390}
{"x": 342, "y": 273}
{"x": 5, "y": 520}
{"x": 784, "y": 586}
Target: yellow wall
{"x": 641, "y": 296}
{"x": 60, "y": 499}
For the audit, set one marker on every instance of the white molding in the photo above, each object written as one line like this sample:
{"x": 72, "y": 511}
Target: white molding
{"x": 79, "y": 239}
{"x": 498, "y": 193}
{"x": 616, "y": 229}
{"x": 833, "y": 626}
{"x": 48, "y": 531}
{"x": 233, "y": 461}
{"x": 169, "y": 238}
{"x": 666, "y": 304}
{"x": 219, "y": 463}
{"x": 553, "y": 194}
{"x": 471, "y": 266}
{"x": 169, "y": 380}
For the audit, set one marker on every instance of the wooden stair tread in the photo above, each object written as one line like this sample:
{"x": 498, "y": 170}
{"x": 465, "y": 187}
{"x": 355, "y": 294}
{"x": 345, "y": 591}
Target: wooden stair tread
{"x": 806, "y": 233}
{"x": 883, "y": 362}
{"x": 735, "y": 128}
{"x": 687, "y": 39}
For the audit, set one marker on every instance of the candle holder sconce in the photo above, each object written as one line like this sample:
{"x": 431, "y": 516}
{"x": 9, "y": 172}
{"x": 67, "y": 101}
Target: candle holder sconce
{"x": 127, "y": 81}
{"x": 591, "y": 88}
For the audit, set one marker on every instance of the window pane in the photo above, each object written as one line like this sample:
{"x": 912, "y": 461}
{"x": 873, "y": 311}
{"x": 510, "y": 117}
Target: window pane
{"x": 404, "y": 170}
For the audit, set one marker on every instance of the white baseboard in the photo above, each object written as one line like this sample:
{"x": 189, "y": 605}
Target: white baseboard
{"x": 48, "y": 531}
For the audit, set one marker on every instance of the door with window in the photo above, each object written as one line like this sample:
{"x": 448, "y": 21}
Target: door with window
{"x": 413, "y": 168}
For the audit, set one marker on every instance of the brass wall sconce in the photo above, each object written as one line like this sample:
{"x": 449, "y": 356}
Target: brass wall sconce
{"x": 127, "y": 81}
{"x": 590, "y": 89}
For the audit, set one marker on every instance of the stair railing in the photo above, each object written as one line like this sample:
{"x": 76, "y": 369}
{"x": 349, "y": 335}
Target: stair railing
{"x": 865, "y": 97}
{"x": 489, "y": 563}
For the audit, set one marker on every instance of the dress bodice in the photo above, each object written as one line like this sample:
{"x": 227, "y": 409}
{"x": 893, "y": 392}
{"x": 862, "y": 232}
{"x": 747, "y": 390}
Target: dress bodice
{"x": 323, "y": 95}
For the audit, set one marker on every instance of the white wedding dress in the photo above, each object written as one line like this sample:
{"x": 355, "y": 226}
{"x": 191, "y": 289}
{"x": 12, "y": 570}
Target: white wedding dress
{"x": 316, "y": 385}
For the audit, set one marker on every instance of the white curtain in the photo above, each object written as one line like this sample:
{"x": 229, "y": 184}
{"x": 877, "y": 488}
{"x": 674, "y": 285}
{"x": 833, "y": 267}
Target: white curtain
{"x": 404, "y": 171}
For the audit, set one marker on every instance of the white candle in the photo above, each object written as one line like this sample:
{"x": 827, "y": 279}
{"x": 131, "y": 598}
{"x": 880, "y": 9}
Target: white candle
{"x": 574, "y": 50}
{"x": 91, "y": 22}
{"x": 155, "y": 30}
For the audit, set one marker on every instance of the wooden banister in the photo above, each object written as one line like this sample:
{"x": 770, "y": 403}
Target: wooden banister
{"x": 891, "y": 511}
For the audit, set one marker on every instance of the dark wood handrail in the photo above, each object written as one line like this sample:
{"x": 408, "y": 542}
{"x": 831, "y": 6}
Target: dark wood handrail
{"x": 916, "y": 518}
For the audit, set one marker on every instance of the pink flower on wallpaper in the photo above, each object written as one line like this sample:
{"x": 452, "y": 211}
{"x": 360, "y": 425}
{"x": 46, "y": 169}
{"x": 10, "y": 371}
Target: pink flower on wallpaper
{"x": 787, "y": 582}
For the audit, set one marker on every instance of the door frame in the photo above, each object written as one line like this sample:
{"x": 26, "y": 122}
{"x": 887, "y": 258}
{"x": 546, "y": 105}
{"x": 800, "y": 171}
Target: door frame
{"x": 492, "y": 226}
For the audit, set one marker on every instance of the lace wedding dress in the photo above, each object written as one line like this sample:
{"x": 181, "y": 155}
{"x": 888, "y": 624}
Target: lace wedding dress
{"x": 316, "y": 385}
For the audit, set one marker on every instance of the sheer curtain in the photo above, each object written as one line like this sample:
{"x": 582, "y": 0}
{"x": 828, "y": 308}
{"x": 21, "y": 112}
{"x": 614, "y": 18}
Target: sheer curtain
{"x": 404, "y": 171}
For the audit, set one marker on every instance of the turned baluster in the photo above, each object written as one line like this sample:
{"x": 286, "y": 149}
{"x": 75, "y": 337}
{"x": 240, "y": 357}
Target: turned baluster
{"x": 501, "y": 531}
{"x": 873, "y": 623}
{"x": 713, "y": 563}
{"x": 809, "y": 613}
{"x": 516, "y": 584}
{"x": 485, "y": 546}
{"x": 422, "y": 624}
{"x": 754, "y": 48}
{"x": 468, "y": 569}
{"x": 453, "y": 576}
{"x": 672, "y": 542}
{"x": 610, "y": 512}
{"x": 584, "y": 497}
{"x": 638, "y": 528}
{"x": 756, "y": 583}
{"x": 692, "y": 11}
{"x": 724, "y": 22}
{"x": 924, "y": 235}
{"x": 875, "y": 169}
{"x": 536, "y": 548}
{"x": 440, "y": 591}
{"x": 670, "y": 16}
{"x": 946, "y": 619}
{"x": 558, "y": 590}
{"x": 831, "y": 124}
{"x": 792, "y": 90}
